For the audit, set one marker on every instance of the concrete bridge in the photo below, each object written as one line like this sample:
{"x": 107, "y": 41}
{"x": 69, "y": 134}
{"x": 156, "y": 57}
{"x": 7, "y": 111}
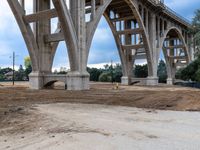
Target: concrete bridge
{"x": 141, "y": 28}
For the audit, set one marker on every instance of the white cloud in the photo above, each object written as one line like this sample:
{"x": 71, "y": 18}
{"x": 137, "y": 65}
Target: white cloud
{"x": 102, "y": 34}
{"x": 184, "y": 8}
{"x": 5, "y": 15}
{"x": 180, "y": 3}
{"x": 4, "y": 49}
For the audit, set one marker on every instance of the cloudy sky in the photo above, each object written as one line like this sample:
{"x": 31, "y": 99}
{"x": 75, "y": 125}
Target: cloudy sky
{"x": 103, "y": 48}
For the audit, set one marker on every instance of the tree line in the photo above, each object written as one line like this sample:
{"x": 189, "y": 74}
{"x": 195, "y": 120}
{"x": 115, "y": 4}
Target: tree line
{"x": 110, "y": 73}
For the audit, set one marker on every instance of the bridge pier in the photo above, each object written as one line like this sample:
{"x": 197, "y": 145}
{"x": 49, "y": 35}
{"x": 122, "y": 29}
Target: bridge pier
{"x": 152, "y": 79}
{"x": 170, "y": 81}
{"x": 36, "y": 80}
{"x": 72, "y": 80}
{"x": 77, "y": 81}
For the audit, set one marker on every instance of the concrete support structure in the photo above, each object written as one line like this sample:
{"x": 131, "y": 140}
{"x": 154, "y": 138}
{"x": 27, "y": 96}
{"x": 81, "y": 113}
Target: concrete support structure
{"x": 141, "y": 30}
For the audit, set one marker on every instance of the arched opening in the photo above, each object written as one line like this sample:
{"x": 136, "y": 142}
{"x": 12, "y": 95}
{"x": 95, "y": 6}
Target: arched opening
{"x": 175, "y": 53}
{"x": 60, "y": 60}
{"x": 129, "y": 34}
{"x": 162, "y": 68}
{"x": 104, "y": 54}
{"x": 103, "y": 48}
{"x": 56, "y": 85}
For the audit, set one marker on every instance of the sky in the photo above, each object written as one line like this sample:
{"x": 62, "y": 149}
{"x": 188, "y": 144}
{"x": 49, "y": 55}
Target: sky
{"x": 103, "y": 48}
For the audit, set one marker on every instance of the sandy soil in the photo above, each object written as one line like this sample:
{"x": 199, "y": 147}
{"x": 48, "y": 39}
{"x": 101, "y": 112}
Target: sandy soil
{"x": 100, "y": 127}
{"x": 96, "y": 119}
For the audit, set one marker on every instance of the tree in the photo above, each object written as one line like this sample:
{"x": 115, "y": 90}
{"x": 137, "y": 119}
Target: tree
{"x": 94, "y": 73}
{"x": 20, "y": 74}
{"x": 111, "y": 73}
{"x": 28, "y": 66}
{"x": 191, "y": 72}
{"x": 162, "y": 72}
{"x": 117, "y": 73}
{"x": 63, "y": 70}
{"x": 141, "y": 71}
{"x": 55, "y": 71}
{"x": 4, "y": 71}
{"x": 196, "y": 31}
{"x": 105, "y": 77}
{"x": 27, "y": 62}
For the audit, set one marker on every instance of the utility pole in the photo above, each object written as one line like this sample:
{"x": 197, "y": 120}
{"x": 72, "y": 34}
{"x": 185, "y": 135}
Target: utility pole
{"x": 13, "y": 78}
{"x": 111, "y": 71}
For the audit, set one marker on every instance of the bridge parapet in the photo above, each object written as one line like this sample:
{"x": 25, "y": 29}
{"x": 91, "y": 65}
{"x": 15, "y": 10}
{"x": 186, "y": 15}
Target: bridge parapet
{"x": 171, "y": 13}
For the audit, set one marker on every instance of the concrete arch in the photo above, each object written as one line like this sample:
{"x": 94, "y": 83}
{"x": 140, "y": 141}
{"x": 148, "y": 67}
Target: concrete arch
{"x": 50, "y": 79}
{"x": 118, "y": 43}
{"x": 180, "y": 36}
{"x": 171, "y": 68}
{"x": 69, "y": 32}
{"x": 92, "y": 26}
{"x": 50, "y": 84}
{"x": 27, "y": 33}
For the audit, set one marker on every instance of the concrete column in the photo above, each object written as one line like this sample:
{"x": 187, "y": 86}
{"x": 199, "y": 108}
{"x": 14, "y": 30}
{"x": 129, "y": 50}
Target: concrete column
{"x": 78, "y": 16}
{"x": 163, "y": 27}
{"x": 142, "y": 13}
{"x": 147, "y": 21}
{"x": 41, "y": 28}
{"x": 170, "y": 81}
{"x": 126, "y": 79}
{"x": 135, "y": 36}
{"x": 158, "y": 32}
{"x": 80, "y": 78}
{"x": 93, "y": 9}
{"x": 171, "y": 66}
{"x": 152, "y": 72}
{"x": 22, "y": 4}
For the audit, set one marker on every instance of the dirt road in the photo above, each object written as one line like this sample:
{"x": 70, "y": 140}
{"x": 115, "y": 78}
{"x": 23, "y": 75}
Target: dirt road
{"x": 100, "y": 127}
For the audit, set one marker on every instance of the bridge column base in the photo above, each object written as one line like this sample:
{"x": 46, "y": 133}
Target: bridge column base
{"x": 36, "y": 81}
{"x": 73, "y": 80}
{"x": 152, "y": 81}
{"x": 125, "y": 80}
{"x": 77, "y": 81}
{"x": 170, "y": 81}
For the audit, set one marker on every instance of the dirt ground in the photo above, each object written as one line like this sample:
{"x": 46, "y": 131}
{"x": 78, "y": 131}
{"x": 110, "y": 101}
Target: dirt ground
{"x": 65, "y": 126}
{"x": 19, "y": 113}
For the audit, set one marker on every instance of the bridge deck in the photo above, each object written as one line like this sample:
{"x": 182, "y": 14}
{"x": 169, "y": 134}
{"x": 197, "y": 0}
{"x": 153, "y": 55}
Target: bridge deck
{"x": 157, "y": 5}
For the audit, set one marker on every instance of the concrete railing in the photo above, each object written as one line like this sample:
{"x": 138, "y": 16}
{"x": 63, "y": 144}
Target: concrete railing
{"x": 171, "y": 12}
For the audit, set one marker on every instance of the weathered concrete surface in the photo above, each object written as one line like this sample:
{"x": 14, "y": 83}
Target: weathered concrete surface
{"x": 99, "y": 127}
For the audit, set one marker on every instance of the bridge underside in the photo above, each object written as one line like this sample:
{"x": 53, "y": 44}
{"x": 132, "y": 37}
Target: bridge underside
{"x": 141, "y": 30}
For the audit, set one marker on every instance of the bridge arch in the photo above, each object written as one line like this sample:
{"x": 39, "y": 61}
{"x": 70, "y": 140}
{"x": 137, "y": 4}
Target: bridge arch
{"x": 50, "y": 79}
{"x": 104, "y": 11}
{"x": 175, "y": 51}
{"x": 180, "y": 36}
{"x": 56, "y": 84}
